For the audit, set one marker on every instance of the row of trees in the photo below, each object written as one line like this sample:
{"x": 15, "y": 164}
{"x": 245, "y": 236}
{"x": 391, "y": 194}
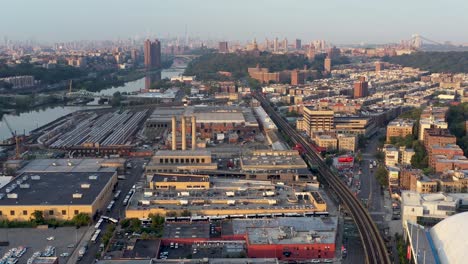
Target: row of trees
{"x": 47, "y": 76}
{"x": 456, "y": 118}
{"x": 434, "y": 61}
{"x": 206, "y": 67}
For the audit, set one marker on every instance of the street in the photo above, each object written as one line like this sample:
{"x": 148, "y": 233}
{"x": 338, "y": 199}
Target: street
{"x": 118, "y": 212}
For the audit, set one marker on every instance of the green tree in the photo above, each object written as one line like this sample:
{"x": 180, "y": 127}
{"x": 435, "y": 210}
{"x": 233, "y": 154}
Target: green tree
{"x": 116, "y": 99}
{"x": 382, "y": 175}
{"x": 171, "y": 214}
{"x": 186, "y": 212}
{"x": 81, "y": 219}
{"x": 38, "y": 217}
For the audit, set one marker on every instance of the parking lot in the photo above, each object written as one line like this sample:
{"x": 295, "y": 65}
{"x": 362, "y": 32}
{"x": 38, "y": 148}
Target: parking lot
{"x": 36, "y": 240}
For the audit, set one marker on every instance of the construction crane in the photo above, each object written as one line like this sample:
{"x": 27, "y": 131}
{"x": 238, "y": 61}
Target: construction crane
{"x": 15, "y": 137}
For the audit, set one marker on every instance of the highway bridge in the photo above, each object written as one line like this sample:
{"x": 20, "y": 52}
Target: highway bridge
{"x": 374, "y": 246}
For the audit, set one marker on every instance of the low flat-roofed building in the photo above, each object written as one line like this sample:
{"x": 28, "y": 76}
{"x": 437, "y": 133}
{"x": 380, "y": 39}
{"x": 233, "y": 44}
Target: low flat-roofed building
{"x": 59, "y": 195}
{"x": 179, "y": 182}
{"x": 288, "y": 238}
{"x": 74, "y": 165}
{"x": 429, "y": 209}
{"x": 399, "y": 128}
{"x": 228, "y": 197}
{"x": 166, "y": 161}
{"x": 45, "y": 260}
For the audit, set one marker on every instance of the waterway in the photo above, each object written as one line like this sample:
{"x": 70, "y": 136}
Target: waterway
{"x": 27, "y": 121}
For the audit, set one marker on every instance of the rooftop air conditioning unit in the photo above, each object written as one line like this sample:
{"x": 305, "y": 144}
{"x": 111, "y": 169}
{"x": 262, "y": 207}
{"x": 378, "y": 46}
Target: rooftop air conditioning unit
{"x": 35, "y": 177}
{"x": 25, "y": 186}
{"x": 77, "y": 195}
{"x": 92, "y": 177}
{"x": 85, "y": 185}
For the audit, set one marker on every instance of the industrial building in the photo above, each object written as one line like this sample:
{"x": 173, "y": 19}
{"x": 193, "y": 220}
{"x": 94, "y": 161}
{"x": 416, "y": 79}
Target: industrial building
{"x": 283, "y": 238}
{"x": 222, "y": 197}
{"x": 59, "y": 195}
{"x": 99, "y": 135}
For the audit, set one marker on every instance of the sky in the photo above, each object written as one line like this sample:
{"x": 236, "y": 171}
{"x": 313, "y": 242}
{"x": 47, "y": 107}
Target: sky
{"x": 337, "y": 21}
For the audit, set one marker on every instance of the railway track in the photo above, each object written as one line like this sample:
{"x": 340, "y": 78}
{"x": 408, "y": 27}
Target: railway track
{"x": 374, "y": 246}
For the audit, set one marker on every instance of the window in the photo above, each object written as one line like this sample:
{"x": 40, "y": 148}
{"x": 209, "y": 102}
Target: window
{"x": 1, "y": 213}
{"x": 51, "y": 212}
{"x": 25, "y": 212}
{"x": 64, "y": 212}
{"x": 12, "y": 212}
{"x": 77, "y": 212}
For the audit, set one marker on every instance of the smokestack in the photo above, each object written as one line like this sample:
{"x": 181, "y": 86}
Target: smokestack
{"x": 194, "y": 133}
{"x": 184, "y": 139}
{"x": 174, "y": 140}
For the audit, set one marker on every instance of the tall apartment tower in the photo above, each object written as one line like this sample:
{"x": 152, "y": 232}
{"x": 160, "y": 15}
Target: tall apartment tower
{"x": 327, "y": 64}
{"x": 285, "y": 45}
{"x": 361, "y": 88}
{"x": 311, "y": 52}
{"x": 223, "y": 47}
{"x": 298, "y": 45}
{"x": 275, "y": 45}
{"x": 152, "y": 54}
{"x": 379, "y": 66}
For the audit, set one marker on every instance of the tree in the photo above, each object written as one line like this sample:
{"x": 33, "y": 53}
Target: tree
{"x": 382, "y": 175}
{"x": 81, "y": 219}
{"x": 116, "y": 99}
{"x": 171, "y": 214}
{"x": 186, "y": 212}
{"x": 38, "y": 217}
{"x": 380, "y": 155}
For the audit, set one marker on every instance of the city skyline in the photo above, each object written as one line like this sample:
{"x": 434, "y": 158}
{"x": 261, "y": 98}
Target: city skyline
{"x": 340, "y": 22}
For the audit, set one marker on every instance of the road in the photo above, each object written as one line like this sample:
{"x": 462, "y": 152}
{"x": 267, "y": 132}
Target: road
{"x": 118, "y": 212}
{"x": 370, "y": 188}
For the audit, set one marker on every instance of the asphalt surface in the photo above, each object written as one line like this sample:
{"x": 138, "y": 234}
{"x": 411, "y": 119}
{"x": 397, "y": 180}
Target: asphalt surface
{"x": 118, "y": 211}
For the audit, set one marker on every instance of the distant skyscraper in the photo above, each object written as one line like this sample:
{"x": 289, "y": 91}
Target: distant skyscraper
{"x": 298, "y": 44}
{"x": 361, "y": 88}
{"x": 327, "y": 64}
{"x": 152, "y": 54}
{"x": 275, "y": 45}
{"x": 134, "y": 55}
{"x": 311, "y": 52}
{"x": 285, "y": 45}
{"x": 267, "y": 44}
{"x": 223, "y": 47}
{"x": 379, "y": 66}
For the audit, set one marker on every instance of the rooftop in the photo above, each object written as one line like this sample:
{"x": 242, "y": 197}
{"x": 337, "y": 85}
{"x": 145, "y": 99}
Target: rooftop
{"x": 178, "y": 178}
{"x": 72, "y": 165}
{"x": 54, "y": 188}
{"x": 284, "y": 230}
{"x": 180, "y": 153}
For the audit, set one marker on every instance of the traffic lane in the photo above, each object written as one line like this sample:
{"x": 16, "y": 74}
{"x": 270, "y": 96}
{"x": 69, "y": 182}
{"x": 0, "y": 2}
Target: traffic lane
{"x": 118, "y": 211}
{"x": 365, "y": 180}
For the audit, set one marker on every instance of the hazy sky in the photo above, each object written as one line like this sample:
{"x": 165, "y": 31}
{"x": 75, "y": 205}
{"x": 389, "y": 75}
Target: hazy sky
{"x": 338, "y": 21}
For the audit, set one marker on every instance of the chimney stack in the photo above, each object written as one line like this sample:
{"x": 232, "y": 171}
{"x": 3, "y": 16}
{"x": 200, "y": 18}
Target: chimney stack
{"x": 184, "y": 134}
{"x": 174, "y": 140}
{"x": 194, "y": 133}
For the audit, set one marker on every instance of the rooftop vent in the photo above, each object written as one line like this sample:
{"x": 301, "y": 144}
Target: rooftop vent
{"x": 85, "y": 185}
{"x": 35, "y": 177}
{"x": 77, "y": 195}
{"x": 25, "y": 177}
{"x": 92, "y": 177}
{"x": 25, "y": 186}
{"x": 12, "y": 195}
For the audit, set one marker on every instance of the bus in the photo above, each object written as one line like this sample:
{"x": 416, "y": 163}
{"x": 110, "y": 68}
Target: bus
{"x": 112, "y": 220}
{"x": 95, "y": 235}
{"x": 110, "y": 206}
{"x": 117, "y": 194}
{"x": 98, "y": 224}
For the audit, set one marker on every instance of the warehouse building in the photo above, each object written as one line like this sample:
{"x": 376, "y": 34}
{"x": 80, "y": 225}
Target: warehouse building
{"x": 59, "y": 195}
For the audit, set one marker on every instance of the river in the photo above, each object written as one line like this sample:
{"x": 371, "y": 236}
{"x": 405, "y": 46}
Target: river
{"x": 27, "y": 121}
